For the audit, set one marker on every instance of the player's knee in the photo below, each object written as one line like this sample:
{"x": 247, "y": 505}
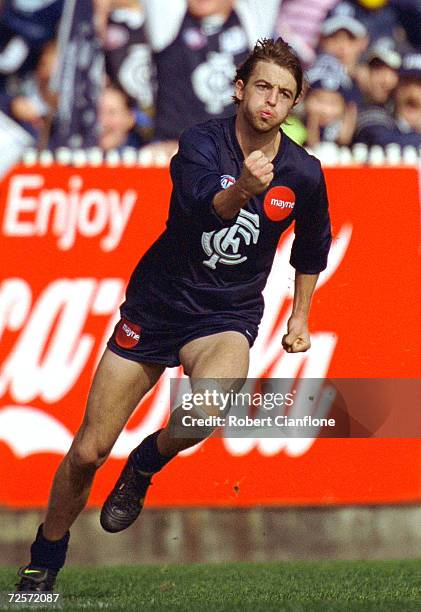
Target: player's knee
{"x": 214, "y": 397}
{"x": 88, "y": 455}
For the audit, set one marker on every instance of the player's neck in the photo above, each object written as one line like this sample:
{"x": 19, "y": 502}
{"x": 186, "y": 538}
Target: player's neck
{"x": 250, "y": 140}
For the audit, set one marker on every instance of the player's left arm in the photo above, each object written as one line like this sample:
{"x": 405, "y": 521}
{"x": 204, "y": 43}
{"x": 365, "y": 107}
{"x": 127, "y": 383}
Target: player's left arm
{"x": 309, "y": 253}
{"x": 297, "y": 338}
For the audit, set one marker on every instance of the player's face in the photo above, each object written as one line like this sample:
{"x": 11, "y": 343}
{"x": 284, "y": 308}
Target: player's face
{"x": 267, "y": 97}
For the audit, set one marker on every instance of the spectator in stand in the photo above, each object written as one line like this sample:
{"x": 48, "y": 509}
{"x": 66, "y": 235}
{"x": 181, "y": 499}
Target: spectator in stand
{"x": 328, "y": 117}
{"x": 409, "y": 15}
{"x": 377, "y": 126}
{"x": 128, "y": 59}
{"x": 396, "y": 19}
{"x": 197, "y": 45}
{"x": 382, "y": 74}
{"x": 116, "y": 120}
{"x": 31, "y": 107}
{"x": 25, "y": 28}
{"x": 408, "y": 96}
{"x": 346, "y": 39}
{"x": 28, "y": 29}
{"x": 299, "y": 23}
{"x": 378, "y": 16}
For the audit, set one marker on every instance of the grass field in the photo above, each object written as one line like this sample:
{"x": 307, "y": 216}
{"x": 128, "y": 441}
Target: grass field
{"x": 382, "y": 586}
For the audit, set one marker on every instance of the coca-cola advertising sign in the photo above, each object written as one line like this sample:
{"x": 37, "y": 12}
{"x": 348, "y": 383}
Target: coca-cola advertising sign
{"x": 70, "y": 238}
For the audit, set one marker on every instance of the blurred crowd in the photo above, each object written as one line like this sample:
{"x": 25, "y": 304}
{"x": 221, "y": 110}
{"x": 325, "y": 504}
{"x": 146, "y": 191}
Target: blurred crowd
{"x": 170, "y": 63}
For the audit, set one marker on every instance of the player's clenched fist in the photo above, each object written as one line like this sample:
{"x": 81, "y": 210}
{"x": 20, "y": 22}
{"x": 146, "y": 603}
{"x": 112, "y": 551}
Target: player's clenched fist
{"x": 257, "y": 173}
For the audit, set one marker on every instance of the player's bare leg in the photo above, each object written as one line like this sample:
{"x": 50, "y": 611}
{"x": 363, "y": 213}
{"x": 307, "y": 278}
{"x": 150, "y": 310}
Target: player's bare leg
{"x": 224, "y": 357}
{"x": 117, "y": 389}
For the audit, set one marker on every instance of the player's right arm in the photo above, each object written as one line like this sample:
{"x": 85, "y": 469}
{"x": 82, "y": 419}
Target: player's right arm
{"x": 256, "y": 176}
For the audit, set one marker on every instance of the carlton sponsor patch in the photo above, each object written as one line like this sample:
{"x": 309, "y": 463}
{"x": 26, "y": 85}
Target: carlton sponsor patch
{"x": 279, "y": 203}
{"x": 127, "y": 334}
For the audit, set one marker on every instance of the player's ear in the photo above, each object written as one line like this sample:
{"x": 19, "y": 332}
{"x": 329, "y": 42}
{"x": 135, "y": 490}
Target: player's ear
{"x": 304, "y": 91}
{"x": 239, "y": 89}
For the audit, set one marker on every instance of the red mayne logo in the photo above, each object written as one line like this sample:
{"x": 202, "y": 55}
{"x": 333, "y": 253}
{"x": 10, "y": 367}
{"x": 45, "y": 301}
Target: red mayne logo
{"x": 128, "y": 334}
{"x": 279, "y": 203}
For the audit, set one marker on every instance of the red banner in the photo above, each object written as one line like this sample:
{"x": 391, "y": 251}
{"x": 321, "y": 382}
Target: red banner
{"x": 70, "y": 238}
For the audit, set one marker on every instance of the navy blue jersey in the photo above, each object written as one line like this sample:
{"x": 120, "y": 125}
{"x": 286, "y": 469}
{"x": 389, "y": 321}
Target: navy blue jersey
{"x": 205, "y": 266}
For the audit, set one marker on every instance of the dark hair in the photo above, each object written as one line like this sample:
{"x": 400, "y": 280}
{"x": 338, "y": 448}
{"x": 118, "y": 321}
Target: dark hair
{"x": 277, "y": 52}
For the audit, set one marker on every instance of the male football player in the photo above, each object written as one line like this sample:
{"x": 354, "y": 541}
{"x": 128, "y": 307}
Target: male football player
{"x": 195, "y": 298}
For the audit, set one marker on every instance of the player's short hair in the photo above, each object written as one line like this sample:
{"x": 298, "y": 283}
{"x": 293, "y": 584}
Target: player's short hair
{"x": 277, "y": 52}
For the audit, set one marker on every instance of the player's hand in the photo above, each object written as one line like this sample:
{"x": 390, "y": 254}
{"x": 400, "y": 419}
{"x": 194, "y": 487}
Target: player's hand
{"x": 297, "y": 339}
{"x": 257, "y": 173}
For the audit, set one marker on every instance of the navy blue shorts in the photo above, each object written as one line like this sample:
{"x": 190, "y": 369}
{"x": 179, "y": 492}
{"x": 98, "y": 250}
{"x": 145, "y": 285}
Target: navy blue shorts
{"x": 146, "y": 344}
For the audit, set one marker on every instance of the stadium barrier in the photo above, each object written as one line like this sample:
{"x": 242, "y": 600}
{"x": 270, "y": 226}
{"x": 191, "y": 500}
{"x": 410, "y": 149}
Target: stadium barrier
{"x": 329, "y": 154}
{"x": 71, "y": 234}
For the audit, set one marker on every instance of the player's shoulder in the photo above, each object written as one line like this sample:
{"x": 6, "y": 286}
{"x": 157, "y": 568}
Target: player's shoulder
{"x": 308, "y": 165}
{"x": 211, "y": 130}
{"x": 204, "y": 140}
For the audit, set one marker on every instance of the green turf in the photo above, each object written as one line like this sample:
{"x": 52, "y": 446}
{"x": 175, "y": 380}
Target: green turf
{"x": 380, "y": 586}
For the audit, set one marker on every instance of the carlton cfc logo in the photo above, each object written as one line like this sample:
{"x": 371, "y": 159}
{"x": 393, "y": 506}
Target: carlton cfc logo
{"x": 128, "y": 334}
{"x": 279, "y": 203}
{"x": 224, "y": 246}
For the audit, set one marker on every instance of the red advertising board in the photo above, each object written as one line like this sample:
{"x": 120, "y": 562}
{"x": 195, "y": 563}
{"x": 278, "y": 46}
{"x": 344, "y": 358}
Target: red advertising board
{"x": 70, "y": 238}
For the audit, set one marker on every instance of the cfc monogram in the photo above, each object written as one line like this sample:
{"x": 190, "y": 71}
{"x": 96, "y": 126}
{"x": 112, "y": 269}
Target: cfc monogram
{"x": 223, "y": 246}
